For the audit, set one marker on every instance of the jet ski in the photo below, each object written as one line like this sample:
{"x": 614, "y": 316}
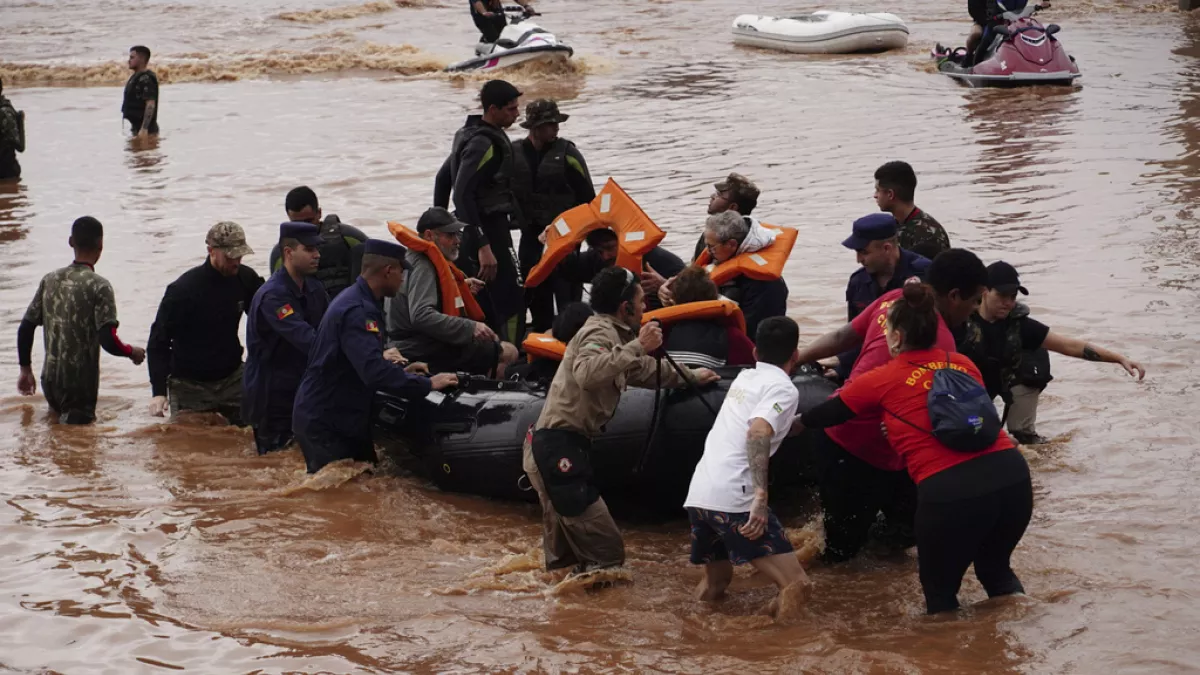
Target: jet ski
{"x": 1015, "y": 50}
{"x": 470, "y": 439}
{"x": 521, "y": 40}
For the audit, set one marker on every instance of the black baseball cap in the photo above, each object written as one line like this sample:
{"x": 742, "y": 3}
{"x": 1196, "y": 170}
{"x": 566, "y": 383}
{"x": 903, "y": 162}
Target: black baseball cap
{"x": 438, "y": 218}
{"x": 1003, "y": 278}
{"x": 497, "y": 93}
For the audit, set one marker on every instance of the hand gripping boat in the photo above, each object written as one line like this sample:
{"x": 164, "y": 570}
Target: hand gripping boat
{"x": 1016, "y": 50}
{"x": 521, "y": 40}
{"x": 470, "y": 439}
{"x": 822, "y": 32}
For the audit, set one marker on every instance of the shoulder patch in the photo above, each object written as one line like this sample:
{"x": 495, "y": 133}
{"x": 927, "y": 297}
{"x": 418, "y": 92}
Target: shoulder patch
{"x": 777, "y": 408}
{"x": 372, "y": 326}
{"x": 284, "y": 312}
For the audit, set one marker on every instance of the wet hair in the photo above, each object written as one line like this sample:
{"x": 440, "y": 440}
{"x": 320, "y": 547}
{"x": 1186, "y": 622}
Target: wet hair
{"x": 957, "y": 268}
{"x": 898, "y": 177}
{"x": 693, "y": 285}
{"x": 87, "y": 233}
{"x": 612, "y": 287}
{"x": 373, "y": 263}
{"x": 776, "y": 340}
{"x": 598, "y": 238}
{"x": 142, "y": 51}
{"x": 915, "y": 315}
{"x": 570, "y": 320}
{"x": 728, "y": 225}
{"x": 299, "y": 198}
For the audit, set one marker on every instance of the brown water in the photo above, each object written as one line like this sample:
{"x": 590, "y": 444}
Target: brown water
{"x": 138, "y": 546}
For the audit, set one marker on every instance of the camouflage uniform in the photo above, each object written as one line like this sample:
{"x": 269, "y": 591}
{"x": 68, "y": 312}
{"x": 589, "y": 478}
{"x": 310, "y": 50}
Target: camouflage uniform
{"x": 12, "y": 139}
{"x": 923, "y": 235}
{"x": 73, "y": 305}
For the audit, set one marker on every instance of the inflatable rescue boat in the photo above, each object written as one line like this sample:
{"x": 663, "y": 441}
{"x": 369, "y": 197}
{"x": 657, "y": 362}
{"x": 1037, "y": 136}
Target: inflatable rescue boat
{"x": 822, "y": 32}
{"x": 470, "y": 439}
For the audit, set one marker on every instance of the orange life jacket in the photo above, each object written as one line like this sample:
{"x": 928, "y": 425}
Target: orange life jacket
{"x": 612, "y": 209}
{"x": 724, "y": 310}
{"x": 763, "y": 265}
{"x": 545, "y": 346}
{"x": 457, "y": 299}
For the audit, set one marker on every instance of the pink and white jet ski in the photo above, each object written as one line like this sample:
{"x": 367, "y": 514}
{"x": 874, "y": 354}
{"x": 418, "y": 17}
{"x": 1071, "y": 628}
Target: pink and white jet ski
{"x": 521, "y": 40}
{"x": 1016, "y": 50}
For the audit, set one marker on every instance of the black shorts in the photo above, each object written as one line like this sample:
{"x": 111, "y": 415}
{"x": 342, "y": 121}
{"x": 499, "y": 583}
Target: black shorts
{"x": 715, "y": 537}
{"x": 476, "y": 358}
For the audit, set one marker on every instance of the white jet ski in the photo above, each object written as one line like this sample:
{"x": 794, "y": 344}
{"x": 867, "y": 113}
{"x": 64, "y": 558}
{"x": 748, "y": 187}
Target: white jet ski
{"x": 822, "y": 32}
{"x": 521, "y": 40}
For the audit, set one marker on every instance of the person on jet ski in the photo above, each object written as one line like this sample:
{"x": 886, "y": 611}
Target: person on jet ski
{"x": 982, "y": 13}
{"x": 488, "y": 16}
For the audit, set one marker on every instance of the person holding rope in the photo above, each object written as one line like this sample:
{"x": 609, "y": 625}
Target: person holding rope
{"x": 608, "y": 354}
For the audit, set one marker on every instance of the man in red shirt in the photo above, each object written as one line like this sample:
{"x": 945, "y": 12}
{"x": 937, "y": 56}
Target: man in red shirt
{"x": 859, "y": 475}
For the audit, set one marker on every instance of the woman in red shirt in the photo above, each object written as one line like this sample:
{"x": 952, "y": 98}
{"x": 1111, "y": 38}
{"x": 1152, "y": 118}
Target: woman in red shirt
{"x": 973, "y": 507}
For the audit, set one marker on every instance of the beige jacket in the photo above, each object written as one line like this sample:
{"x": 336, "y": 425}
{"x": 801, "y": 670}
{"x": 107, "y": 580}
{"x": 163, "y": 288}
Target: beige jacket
{"x": 601, "y": 360}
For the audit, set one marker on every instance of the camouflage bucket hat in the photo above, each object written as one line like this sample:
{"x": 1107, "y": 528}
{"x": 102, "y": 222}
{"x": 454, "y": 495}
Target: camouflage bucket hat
{"x": 542, "y": 111}
{"x": 230, "y": 238}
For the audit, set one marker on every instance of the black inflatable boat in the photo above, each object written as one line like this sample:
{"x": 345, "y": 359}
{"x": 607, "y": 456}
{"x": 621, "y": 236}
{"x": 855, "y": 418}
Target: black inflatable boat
{"x": 470, "y": 439}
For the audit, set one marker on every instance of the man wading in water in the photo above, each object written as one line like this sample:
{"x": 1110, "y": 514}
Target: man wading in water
{"x": 602, "y": 359}
{"x": 141, "y": 94}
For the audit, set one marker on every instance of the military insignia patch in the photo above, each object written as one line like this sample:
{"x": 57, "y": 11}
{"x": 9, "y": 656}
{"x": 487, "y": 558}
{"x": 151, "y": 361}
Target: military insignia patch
{"x": 284, "y": 312}
{"x": 564, "y": 465}
{"x": 778, "y": 408}
{"x": 372, "y": 326}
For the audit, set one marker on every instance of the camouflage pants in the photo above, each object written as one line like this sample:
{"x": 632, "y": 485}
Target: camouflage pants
{"x": 222, "y": 396}
{"x": 72, "y": 406}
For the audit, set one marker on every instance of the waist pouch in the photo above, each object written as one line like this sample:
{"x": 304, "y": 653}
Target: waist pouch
{"x": 562, "y": 460}
{"x": 1034, "y": 370}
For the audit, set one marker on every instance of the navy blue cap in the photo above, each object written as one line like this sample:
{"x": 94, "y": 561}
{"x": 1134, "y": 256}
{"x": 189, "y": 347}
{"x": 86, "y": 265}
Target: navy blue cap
{"x": 387, "y": 249}
{"x": 875, "y": 227}
{"x": 305, "y": 233}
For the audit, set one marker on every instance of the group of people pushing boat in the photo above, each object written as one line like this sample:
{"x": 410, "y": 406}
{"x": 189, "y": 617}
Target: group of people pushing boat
{"x": 320, "y": 343}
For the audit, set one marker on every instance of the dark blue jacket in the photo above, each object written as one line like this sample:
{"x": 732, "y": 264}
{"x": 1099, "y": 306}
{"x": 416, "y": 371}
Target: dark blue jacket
{"x": 346, "y": 367}
{"x": 862, "y": 291}
{"x": 282, "y": 324}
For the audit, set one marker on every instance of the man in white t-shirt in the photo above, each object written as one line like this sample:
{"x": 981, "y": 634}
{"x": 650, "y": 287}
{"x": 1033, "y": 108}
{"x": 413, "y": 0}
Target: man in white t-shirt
{"x": 727, "y": 501}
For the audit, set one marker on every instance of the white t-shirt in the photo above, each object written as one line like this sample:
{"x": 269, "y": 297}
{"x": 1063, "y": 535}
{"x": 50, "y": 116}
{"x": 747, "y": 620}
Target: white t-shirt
{"x": 722, "y": 480}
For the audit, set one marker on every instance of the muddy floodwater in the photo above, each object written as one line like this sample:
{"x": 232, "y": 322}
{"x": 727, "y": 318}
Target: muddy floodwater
{"x": 137, "y": 546}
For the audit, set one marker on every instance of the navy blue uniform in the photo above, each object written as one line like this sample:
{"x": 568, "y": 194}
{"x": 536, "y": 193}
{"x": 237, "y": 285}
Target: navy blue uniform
{"x": 862, "y": 291}
{"x": 332, "y": 416}
{"x": 279, "y": 333}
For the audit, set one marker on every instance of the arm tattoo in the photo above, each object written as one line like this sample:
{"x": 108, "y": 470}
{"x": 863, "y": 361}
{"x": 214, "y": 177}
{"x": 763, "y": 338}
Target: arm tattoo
{"x": 759, "y": 450}
{"x": 1090, "y": 354}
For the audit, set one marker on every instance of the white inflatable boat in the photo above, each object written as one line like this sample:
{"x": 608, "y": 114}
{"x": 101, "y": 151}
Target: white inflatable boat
{"x": 822, "y": 32}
